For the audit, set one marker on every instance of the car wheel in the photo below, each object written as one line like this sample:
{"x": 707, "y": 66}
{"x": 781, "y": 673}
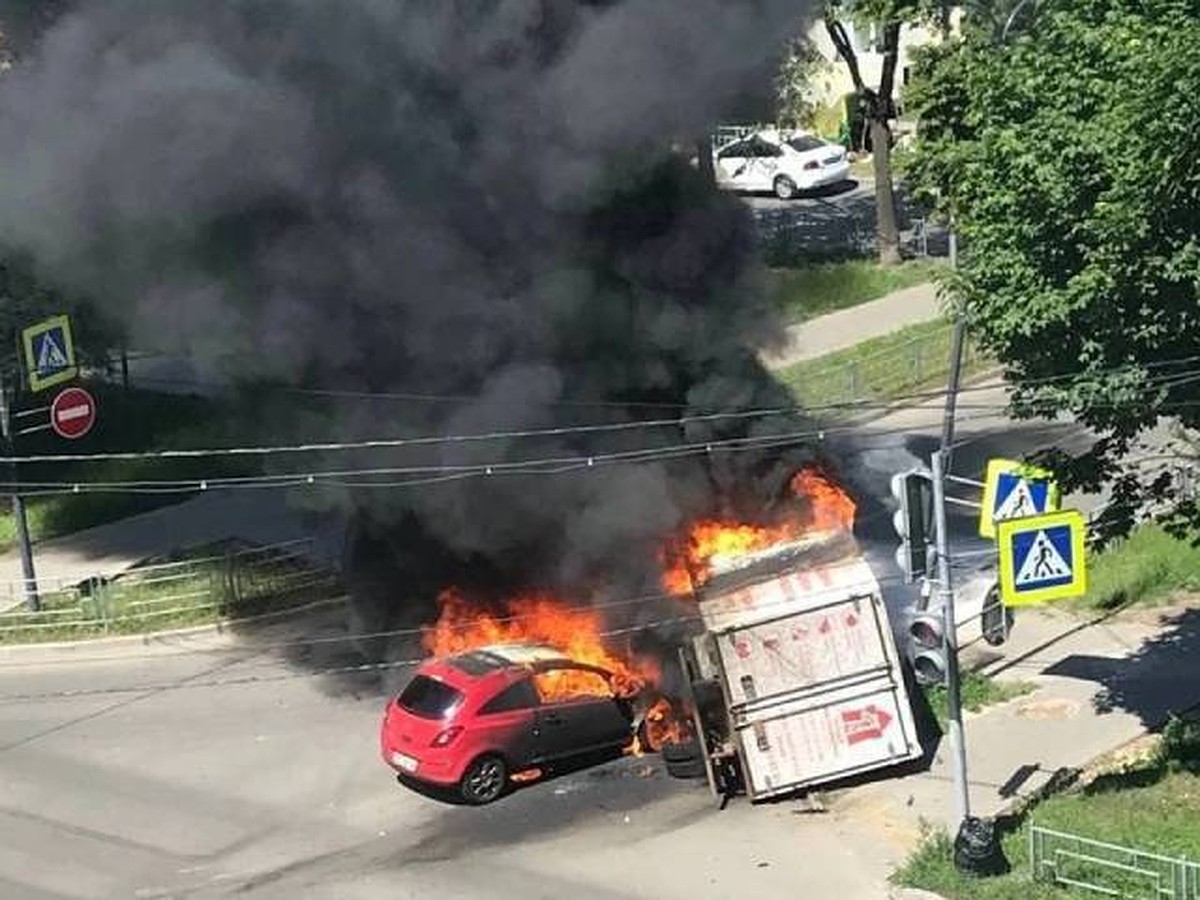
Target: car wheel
{"x": 683, "y": 760}
{"x": 484, "y": 781}
{"x": 785, "y": 188}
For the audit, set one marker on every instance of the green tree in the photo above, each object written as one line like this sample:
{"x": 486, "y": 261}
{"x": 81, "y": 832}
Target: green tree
{"x": 794, "y": 97}
{"x": 1070, "y": 158}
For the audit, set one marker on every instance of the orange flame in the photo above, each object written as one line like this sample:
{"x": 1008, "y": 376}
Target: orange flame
{"x": 689, "y": 564}
{"x": 540, "y": 618}
{"x": 829, "y": 506}
{"x": 665, "y": 724}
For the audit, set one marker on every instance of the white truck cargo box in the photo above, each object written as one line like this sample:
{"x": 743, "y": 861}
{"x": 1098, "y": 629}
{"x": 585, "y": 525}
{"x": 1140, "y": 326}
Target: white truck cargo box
{"x": 810, "y": 672}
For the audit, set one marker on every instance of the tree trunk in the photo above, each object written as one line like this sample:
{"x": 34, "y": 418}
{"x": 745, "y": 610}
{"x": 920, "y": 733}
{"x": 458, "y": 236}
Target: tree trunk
{"x": 887, "y": 233}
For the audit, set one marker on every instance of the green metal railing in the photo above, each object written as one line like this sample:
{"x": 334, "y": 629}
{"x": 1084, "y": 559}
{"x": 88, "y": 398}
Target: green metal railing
{"x": 234, "y": 584}
{"x": 1111, "y": 870}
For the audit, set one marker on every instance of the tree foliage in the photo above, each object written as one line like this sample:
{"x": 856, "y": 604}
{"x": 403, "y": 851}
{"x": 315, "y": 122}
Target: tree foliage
{"x": 795, "y": 100}
{"x": 1070, "y": 158}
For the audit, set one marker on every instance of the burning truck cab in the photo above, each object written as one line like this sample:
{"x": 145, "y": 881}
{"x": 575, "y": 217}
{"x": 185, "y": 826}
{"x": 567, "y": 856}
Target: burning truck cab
{"x": 798, "y": 654}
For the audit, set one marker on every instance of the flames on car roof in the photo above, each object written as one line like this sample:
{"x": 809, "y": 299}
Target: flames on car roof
{"x": 500, "y": 656}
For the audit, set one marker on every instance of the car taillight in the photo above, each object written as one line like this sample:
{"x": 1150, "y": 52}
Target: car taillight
{"x": 446, "y": 737}
{"x": 812, "y": 165}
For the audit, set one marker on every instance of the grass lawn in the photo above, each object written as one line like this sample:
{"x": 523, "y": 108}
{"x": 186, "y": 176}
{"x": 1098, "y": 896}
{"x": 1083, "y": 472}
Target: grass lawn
{"x": 1148, "y": 567}
{"x": 978, "y": 691}
{"x": 1153, "y": 806}
{"x": 883, "y": 368}
{"x": 804, "y": 293}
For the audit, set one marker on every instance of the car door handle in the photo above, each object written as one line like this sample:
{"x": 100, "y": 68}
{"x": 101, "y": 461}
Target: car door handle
{"x": 552, "y": 719}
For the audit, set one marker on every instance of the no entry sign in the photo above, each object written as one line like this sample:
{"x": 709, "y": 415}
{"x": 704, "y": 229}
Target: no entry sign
{"x": 73, "y": 413}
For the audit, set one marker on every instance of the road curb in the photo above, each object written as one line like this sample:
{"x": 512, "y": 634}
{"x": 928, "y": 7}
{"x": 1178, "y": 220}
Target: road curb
{"x": 913, "y": 894}
{"x": 157, "y": 639}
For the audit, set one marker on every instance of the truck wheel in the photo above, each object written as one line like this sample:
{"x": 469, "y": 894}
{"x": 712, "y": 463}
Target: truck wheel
{"x": 683, "y": 760}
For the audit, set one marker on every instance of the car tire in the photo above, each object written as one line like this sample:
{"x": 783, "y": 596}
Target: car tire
{"x": 683, "y": 760}
{"x": 484, "y": 780}
{"x": 785, "y": 188}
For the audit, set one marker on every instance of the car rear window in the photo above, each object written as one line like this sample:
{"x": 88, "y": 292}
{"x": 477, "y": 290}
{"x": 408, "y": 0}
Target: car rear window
{"x": 429, "y": 698}
{"x": 803, "y": 143}
{"x": 478, "y": 662}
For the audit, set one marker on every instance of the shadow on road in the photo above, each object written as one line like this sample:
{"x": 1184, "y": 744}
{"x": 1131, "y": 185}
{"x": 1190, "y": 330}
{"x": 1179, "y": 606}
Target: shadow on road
{"x": 1159, "y": 678}
{"x": 832, "y": 222}
{"x": 614, "y": 792}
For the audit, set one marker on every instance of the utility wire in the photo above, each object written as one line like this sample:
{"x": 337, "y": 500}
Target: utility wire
{"x": 534, "y": 466}
{"x": 1173, "y": 379}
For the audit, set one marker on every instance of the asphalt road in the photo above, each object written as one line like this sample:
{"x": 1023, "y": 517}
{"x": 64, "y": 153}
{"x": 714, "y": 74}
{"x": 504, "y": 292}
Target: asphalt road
{"x": 834, "y": 221}
{"x": 228, "y": 767}
{"x": 189, "y": 779}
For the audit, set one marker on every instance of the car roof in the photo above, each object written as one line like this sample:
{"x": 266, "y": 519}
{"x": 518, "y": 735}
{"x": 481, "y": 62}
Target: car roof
{"x": 482, "y": 663}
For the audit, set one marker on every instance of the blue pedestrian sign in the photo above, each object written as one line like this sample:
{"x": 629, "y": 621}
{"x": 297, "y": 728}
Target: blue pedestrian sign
{"x": 1042, "y": 558}
{"x": 49, "y": 353}
{"x": 1014, "y": 490}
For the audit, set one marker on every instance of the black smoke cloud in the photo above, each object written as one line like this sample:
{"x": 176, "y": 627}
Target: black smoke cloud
{"x": 460, "y": 199}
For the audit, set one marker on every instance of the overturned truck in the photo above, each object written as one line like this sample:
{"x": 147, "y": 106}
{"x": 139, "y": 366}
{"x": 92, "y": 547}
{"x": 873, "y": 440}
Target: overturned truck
{"x": 796, "y": 680}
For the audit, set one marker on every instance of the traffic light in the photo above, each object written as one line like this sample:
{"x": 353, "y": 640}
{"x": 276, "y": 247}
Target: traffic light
{"x": 928, "y": 633}
{"x": 913, "y": 521}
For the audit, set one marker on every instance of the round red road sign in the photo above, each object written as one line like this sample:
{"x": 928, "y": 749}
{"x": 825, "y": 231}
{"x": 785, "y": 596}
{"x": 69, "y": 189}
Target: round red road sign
{"x": 73, "y": 413}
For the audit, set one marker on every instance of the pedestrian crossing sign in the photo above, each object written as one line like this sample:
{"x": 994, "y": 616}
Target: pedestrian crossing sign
{"x": 1014, "y": 490}
{"x": 49, "y": 353}
{"x": 1042, "y": 558}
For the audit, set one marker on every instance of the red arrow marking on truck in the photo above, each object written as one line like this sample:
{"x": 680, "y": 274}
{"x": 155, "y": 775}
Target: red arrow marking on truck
{"x": 867, "y": 724}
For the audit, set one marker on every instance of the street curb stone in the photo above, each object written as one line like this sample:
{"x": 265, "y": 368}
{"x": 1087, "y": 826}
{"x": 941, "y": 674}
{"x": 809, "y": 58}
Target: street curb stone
{"x": 912, "y": 894}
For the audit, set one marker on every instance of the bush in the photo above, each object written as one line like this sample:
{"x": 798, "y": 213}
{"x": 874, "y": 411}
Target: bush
{"x": 1179, "y": 749}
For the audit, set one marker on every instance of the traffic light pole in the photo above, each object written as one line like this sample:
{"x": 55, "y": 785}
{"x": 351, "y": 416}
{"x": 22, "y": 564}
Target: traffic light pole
{"x": 958, "y": 747}
{"x": 18, "y": 505}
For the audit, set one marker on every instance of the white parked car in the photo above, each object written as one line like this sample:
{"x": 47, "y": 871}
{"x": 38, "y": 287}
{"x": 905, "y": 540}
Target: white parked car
{"x": 768, "y": 161}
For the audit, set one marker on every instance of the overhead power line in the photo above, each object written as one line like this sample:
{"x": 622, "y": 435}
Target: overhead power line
{"x": 416, "y": 474}
{"x": 1173, "y": 379}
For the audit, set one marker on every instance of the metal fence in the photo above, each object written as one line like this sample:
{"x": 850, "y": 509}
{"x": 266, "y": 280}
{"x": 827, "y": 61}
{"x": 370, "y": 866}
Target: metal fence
{"x": 1110, "y": 869}
{"x": 235, "y": 583}
{"x": 842, "y": 379}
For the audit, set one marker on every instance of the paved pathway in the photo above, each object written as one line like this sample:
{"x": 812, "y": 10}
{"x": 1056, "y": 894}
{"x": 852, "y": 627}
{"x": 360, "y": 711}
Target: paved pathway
{"x": 847, "y": 327}
{"x": 1099, "y": 687}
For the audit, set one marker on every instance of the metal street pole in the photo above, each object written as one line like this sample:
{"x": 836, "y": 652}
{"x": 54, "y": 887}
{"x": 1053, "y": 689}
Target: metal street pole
{"x": 958, "y": 747}
{"x": 957, "y": 344}
{"x": 18, "y": 505}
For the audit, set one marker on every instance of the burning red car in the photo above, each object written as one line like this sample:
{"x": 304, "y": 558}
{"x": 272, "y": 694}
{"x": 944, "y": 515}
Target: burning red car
{"x": 473, "y": 720}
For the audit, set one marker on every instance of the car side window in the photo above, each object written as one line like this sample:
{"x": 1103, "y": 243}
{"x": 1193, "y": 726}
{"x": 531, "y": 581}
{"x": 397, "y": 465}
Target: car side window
{"x": 734, "y": 151}
{"x": 765, "y": 149}
{"x": 521, "y": 695}
{"x": 563, "y": 685}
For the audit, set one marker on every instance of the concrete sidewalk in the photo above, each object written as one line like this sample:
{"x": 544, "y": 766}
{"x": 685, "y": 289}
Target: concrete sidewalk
{"x": 847, "y": 327}
{"x": 1098, "y": 687}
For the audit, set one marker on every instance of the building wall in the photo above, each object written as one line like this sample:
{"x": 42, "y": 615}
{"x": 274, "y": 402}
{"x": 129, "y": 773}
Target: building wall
{"x": 834, "y": 82}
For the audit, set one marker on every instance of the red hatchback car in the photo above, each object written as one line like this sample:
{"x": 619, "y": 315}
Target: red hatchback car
{"x": 473, "y": 720}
